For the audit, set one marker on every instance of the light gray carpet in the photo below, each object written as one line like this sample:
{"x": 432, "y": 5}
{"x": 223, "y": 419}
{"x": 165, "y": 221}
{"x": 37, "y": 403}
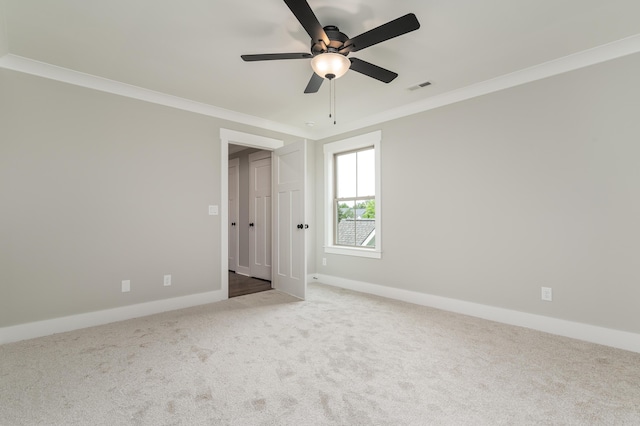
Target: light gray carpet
{"x": 338, "y": 358}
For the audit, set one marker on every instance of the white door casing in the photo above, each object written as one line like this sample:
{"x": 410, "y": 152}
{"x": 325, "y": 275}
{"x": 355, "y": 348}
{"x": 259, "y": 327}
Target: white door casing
{"x": 290, "y": 226}
{"x": 260, "y": 215}
{"x": 228, "y": 136}
{"x": 234, "y": 207}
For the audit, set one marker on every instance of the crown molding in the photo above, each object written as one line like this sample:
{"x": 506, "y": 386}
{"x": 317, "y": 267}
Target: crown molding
{"x": 585, "y": 58}
{"x": 596, "y": 55}
{"x": 66, "y": 75}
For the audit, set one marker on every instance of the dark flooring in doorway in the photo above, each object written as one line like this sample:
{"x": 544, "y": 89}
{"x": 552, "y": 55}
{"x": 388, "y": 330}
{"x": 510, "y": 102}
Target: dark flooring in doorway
{"x": 240, "y": 285}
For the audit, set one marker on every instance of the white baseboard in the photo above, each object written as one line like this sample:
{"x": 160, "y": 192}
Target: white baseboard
{"x": 590, "y": 333}
{"x": 74, "y": 322}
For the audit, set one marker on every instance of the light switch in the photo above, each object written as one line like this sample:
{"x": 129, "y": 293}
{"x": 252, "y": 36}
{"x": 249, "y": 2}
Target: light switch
{"x": 213, "y": 210}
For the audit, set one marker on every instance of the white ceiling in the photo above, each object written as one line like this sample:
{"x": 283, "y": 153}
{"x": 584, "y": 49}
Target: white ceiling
{"x": 191, "y": 49}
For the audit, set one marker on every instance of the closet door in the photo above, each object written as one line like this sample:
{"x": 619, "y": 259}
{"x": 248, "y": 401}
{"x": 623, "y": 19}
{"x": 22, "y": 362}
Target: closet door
{"x": 260, "y": 215}
{"x": 234, "y": 202}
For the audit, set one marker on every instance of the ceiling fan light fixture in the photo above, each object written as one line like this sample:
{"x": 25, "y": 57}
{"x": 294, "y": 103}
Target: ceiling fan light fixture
{"x": 326, "y": 64}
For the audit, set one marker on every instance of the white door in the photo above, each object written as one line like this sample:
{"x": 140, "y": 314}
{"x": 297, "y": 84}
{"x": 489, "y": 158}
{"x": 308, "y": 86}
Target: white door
{"x": 290, "y": 227}
{"x": 234, "y": 203}
{"x": 260, "y": 215}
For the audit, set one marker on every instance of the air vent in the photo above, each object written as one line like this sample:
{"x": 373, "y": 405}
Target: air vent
{"x": 420, "y": 86}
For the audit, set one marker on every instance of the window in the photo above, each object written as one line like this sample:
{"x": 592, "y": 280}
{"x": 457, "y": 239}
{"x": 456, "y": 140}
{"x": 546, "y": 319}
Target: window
{"x": 354, "y": 199}
{"x": 352, "y": 194}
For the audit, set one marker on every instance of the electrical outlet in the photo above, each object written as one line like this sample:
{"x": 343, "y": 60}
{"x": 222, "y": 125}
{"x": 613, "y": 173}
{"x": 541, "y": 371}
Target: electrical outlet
{"x": 126, "y": 286}
{"x": 324, "y": 261}
{"x": 547, "y": 294}
{"x": 167, "y": 280}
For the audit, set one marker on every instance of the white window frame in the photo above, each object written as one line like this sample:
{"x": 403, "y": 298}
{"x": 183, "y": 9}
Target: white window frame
{"x": 370, "y": 139}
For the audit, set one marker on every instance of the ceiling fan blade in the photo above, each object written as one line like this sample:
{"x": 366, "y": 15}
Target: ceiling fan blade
{"x": 372, "y": 71}
{"x": 306, "y": 17}
{"x": 391, "y": 29}
{"x": 314, "y": 84}
{"x": 274, "y": 56}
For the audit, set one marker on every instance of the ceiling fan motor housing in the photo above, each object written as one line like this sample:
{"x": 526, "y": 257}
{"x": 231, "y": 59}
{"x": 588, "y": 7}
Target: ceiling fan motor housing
{"x": 336, "y": 41}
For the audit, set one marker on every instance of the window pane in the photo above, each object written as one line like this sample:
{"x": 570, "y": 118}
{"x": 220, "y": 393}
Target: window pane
{"x": 365, "y": 231}
{"x": 366, "y": 173}
{"x": 368, "y": 210}
{"x": 346, "y": 175}
{"x": 356, "y": 223}
{"x": 366, "y": 225}
{"x": 346, "y": 229}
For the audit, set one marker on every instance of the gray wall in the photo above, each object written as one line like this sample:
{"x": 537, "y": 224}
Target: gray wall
{"x": 97, "y": 188}
{"x": 488, "y": 200}
{"x": 532, "y": 186}
{"x": 310, "y": 208}
{"x": 4, "y": 45}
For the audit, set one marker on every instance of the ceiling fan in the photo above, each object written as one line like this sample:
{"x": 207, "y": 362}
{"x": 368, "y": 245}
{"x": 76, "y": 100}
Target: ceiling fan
{"x": 330, "y": 47}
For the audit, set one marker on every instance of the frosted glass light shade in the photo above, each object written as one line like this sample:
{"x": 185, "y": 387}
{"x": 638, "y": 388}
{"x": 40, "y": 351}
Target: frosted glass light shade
{"x": 325, "y": 64}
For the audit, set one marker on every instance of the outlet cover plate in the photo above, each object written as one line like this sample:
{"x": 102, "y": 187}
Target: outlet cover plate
{"x": 126, "y": 286}
{"x": 546, "y": 294}
{"x": 167, "y": 280}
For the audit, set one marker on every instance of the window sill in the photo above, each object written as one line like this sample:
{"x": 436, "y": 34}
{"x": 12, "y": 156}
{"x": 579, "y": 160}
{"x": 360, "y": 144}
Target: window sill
{"x": 349, "y": 251}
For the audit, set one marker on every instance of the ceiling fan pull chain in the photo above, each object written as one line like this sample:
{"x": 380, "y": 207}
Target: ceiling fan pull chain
{"x": 330, "y": 97}
{"x": 334, "y": 103}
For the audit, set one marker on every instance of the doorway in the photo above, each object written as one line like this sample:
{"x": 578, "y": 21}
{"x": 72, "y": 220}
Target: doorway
{"x": 289, "y": 241}
{"x": 250, "y": 222}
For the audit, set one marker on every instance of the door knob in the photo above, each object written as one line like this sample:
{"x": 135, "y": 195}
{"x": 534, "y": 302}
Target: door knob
{"x": 251, "y": 225}
{"x": 233, "y": 224}
{"x": 306, "y": 226}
